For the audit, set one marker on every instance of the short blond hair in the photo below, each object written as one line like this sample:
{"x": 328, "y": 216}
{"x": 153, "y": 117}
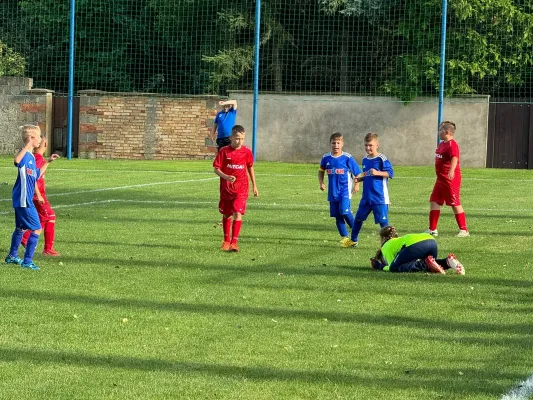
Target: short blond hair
{"x": 371, "y": 136}
{"x": 27, "y": 130}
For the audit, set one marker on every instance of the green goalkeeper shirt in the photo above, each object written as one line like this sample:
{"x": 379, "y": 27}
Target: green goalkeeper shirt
{"x": 392, "y": 247}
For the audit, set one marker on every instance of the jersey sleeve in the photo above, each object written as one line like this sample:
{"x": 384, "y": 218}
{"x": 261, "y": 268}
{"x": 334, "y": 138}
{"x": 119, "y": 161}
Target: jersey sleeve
{"x": 39, "y": 160}
{"x": 249, "y": 159}
{"x": 322, "y": 166}
{"x": 354, "y": 167}
{"x": 217, "y": 163}
{"x": 23, "y": 160}
{"x": 454, "y": 149}
{"x": 387, "y": 167}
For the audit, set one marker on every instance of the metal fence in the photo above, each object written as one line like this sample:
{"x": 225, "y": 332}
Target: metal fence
{"x": 386, "y": 48}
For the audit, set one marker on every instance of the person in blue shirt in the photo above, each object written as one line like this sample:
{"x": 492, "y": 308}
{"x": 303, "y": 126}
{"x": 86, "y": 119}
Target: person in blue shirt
{"x": 341, "y": 169}
{"x": 224, "y": 122}
{"x": 26, "y": 216}
{"x": 377, "y": 170}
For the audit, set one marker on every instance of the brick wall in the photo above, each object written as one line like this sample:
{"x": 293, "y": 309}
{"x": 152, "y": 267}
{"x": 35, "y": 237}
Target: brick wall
{"x": 133, "y": 126}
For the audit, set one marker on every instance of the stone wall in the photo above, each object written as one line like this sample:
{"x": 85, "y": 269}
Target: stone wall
{"x": 135, "y": 126}
{"x": 19, "y": 105}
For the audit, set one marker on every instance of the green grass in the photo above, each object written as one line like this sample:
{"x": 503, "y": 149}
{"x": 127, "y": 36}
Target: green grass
{"x": 143, "y": 305}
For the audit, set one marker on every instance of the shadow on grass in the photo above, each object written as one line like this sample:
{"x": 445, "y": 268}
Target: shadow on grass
{"x": 250, "y": 264}
{"x": 276, "y": 313}
{"x": 436, "y": 379}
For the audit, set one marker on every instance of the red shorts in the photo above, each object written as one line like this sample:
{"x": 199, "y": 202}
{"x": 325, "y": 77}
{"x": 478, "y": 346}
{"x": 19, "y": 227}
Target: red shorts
{"x": 446, "y": 193}
{"x": 231, "y": 206}
{"x": 45, "y": 211}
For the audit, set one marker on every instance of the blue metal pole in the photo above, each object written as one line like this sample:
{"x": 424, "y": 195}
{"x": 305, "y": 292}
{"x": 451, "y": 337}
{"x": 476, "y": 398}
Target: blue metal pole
{"x": 256, "y": 74}
{"x": 71, "y": 79}
{"x": 442, "y": 63}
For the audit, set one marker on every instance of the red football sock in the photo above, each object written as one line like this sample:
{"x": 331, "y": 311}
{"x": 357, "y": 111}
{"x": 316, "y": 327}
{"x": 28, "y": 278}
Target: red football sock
{"x": 226, "y": 227}
{"x": 434, "y": 216}
{"x": 236, "y": 230}
{"x": 461, "y": 221}
{"x": 49, "y": 235}
{"x": 25, "y": 237}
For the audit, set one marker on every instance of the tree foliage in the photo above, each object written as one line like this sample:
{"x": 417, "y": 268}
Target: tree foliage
{"x": 375, "y": 47}
{"x": 11, "y": 62}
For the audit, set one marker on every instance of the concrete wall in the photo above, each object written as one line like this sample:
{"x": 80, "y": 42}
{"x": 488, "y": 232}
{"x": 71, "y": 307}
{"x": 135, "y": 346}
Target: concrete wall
{"x": 296, "y": 128}
{"x": 135, "y": 126}
{"x": 19, "y": 105}
{"x": 291, "y": 128}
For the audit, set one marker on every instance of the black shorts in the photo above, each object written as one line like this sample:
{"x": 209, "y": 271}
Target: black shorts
{"x": 221, "y": 142}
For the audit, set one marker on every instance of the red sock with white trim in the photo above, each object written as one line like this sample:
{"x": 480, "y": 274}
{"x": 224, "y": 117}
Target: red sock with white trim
{"x": 461, "y": 221}
{"x": 49, "y": 235}
{"x": 226, "y": 228}
{"x": 235, "y": 231}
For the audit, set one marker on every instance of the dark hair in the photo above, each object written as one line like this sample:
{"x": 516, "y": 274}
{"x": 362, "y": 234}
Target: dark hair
{"x": 336, "y": 135}
{"x": 371, "y": 136}
{"x": 237, "y": 129}
{"x": 448, "y": 125}
{"x": 388, "y": 233}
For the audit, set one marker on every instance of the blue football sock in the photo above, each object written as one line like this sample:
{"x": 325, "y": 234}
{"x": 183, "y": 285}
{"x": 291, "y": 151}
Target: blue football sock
{"x": 349, "y": 219}
{"x": 384, "y": 224}
{"x": 341, "y": 226}
{"x": 356, "y": 228}
{"x": 30, "y": 247}
{"x": 15, "y": 242}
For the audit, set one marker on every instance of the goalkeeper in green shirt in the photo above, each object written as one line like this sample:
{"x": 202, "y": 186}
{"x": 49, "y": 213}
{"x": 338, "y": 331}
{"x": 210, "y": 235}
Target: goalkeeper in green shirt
{"x": 412, "y": 253}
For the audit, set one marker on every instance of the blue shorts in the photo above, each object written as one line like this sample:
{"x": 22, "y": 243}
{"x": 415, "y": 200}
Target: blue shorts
{"x": 381, "y": 212}
{"x": 340, "y": 208}
{"x": 27, "y": 218}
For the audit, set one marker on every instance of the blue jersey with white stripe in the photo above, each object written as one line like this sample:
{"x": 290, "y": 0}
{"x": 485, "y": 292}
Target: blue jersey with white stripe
{"x": 341, "y": 171}
{"x": 376, "y": 188}
{"x": 24, "y": 188}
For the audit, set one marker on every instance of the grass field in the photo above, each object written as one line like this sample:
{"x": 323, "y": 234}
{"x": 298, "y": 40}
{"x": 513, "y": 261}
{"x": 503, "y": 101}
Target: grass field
{"x": 143, "y": 305}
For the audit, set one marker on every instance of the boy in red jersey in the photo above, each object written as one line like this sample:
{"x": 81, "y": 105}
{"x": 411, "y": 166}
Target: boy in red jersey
{"x": 46, "y": 213}
{"x": 232, "y": 164}
{"x": 447, "y": 188}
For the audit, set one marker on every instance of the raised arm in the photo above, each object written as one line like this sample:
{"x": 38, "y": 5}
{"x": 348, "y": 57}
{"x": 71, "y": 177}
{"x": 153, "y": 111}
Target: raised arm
{"x": 232, "y": 103}
{"x": 27, "y": 147}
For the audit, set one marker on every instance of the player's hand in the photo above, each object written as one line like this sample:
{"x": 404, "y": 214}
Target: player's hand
{"x": 231, "y": 179}
{"x": 256, "y": 192}
{"x": 451, "y": 175}
{"x": 53, "y": 157}
{"x": 322, "y": 186}
{"x": 40, "y": 199}
{"x": 372, "y": 172}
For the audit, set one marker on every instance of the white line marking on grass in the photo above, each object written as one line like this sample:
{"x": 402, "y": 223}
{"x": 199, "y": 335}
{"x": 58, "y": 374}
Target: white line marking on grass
{"x": 522, "y": 391}
{"x": 273, "y": 174}
{"x": 127, "y": 187}
{"x": 318, "y": 206}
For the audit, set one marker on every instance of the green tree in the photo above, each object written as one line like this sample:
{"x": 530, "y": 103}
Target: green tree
{"x": 11, "y": 62}
{"x": 488, "y": 48}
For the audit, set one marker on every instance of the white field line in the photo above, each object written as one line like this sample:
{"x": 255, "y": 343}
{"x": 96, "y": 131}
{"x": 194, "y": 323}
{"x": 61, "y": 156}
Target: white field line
{"x": 522, "y": 391}
{"x": 126, "y": 187}
{"x": 78, "y": 171}
{"x": 318, "y": 207}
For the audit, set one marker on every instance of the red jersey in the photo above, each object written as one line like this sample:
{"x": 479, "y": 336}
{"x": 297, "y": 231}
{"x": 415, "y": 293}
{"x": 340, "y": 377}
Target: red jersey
{"x": 39, "y": 162}
{"x": 443, "y": 160}
{"x": 234, "y": 162}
